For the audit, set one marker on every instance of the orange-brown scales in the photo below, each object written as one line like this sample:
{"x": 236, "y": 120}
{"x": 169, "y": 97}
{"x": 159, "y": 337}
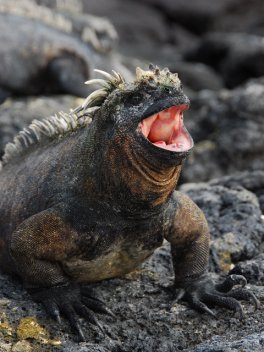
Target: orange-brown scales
{"x": 90, "y": 195}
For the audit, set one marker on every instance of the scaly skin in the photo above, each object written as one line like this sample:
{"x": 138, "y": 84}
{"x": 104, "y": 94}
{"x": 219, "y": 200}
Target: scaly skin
{"x": 97, "y": 202}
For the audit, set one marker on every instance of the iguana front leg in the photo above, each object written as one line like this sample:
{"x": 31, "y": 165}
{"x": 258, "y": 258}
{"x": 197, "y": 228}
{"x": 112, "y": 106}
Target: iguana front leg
{"x": 38, "y": 247}
{"x": 189, "y": 238}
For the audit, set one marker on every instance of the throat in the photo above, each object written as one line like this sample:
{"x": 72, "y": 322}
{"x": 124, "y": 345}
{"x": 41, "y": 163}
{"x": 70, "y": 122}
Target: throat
{"x": 140, "y": 184}
{"x": 155, "y": 186}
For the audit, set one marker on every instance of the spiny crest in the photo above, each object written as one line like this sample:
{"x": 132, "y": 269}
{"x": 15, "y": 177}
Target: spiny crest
{"x": 158, "y": 77}
{"x": 62, "y": 123}
{"x": 98, "y": 97}
{"x": 38, "y": 130}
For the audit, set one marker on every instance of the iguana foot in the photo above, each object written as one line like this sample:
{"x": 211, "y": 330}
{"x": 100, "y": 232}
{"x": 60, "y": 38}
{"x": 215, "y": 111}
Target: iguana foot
{"x": 72, "y": 301}
{"x": 203, "y": 294}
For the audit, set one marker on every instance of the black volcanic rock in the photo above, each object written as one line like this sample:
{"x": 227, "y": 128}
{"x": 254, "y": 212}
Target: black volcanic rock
{"x": 236, "y": 56}
{"x": 253, "y": 269}
{"x": 235, "y": 221}
{"x": 228, "y": 128}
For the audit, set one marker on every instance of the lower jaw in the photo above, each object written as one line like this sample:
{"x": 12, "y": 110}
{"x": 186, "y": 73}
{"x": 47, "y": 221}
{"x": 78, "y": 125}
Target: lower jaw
{"x": 162, "y": 158}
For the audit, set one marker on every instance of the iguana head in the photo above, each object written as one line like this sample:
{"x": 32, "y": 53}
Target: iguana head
{"x": 139, "y": 135}
{"x": 146, "y": 114}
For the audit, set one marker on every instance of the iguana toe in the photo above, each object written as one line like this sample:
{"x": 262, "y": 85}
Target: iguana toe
{"x": 230, "y": 282}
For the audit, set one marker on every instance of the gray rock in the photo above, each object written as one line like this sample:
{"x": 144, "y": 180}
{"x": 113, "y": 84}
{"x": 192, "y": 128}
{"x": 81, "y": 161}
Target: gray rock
{"x": 254, "y": 342}
{"x": 233, "y": 123}
{"x": 244, "y": 17}
{"x": 235, "y": 220}
{"x": 251, "y": 180}
{"x": 253, "y": 270}
{"x": 237, "y": 56}
{"x": 196, "y": 76}
{"x": 197, "y": 16}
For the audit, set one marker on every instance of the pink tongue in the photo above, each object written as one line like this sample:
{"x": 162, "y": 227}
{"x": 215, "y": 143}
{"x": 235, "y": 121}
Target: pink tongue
{"x": 164, "y": 126}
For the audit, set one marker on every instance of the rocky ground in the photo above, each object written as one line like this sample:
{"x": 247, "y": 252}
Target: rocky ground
{"x": 218, "y": 50}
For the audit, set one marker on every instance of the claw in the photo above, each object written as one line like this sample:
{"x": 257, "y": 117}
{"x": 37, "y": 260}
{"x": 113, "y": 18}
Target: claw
{"x": 86, "y": 313}
{"x": 178, "y": 295}
{"x": 226, "y": 302}
{"x": 95, "y": 322}
{"x": 57, "y": 316}
{"x": 200, "y": 306}
{"x": 244, "y": 295}
{"x": 255, "y": 301}
{"x": 72, "y": 302}
{"x": 90, "y": 293}
{"x": 72, "y": 317}
{"x": 80, "y": 332}
{"x": 52, "y": 309}
{"x": 97, "y": 306}
{"x": 205, "y": 309}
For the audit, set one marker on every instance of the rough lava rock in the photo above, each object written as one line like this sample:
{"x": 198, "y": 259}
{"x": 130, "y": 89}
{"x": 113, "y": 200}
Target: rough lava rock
{"x": 253, "y": 270}
{"x": 251, "y": 180}
{"x": 237, "y": 56}
{"x": 235, "y": 220}
{"x": 254, "y": 342}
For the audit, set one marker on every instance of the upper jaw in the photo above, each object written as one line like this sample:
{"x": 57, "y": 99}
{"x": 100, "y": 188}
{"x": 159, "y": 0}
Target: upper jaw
{"x": 165, "y": 129}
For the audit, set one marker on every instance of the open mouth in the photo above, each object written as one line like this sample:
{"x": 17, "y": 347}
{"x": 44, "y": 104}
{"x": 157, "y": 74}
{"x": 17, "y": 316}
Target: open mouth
{"x": 166, "y": 129}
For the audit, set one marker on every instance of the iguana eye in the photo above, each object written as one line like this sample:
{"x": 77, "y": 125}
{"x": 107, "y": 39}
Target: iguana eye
{"x": 135, "y": 99}
{"x": 167, "y": 89}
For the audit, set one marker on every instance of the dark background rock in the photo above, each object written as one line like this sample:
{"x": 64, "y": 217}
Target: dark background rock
{"x": 253, "y": 270}
{"x": 252, "y": 181}
{"x": 237, "y": 56}
{"x": 197, "y": 16}
{"x": 235, "y": 220}
{"x": 231, "y": 123}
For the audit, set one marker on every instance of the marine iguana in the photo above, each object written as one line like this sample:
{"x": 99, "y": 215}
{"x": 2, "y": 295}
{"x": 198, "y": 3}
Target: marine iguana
{"x": 52, "y": 45}
{"x": 89, "y": 195}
